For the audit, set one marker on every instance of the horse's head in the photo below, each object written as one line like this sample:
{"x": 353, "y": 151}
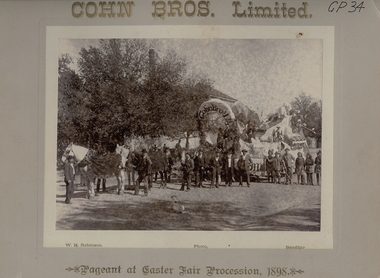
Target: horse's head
{"x": 124, "y": 152}
{"x": 67, "y": 152}
{"x": 77, "y": 152}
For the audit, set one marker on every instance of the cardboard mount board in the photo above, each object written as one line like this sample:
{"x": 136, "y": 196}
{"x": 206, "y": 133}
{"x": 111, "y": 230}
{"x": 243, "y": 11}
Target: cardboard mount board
{"x": 332, "y": 49}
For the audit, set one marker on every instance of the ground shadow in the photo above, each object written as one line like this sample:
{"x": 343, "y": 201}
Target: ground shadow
{"x": 199, "y": 216}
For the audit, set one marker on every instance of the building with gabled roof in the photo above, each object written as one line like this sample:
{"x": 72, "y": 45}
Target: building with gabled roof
{"x": 214, "y": 93}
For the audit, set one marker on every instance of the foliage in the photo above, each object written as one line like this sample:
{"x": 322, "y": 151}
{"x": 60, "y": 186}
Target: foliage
{"x": 121, "y": 89}
{"x": 310, "y": 112}
{"x": 69, "y": 100}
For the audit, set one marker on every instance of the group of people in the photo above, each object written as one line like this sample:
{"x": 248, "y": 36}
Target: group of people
{"x": 196, "y": 168}
{"x": 214, "y": 167}
{"x": 275, "y": 164}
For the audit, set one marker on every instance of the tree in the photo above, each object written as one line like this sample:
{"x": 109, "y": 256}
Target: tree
{"x": 112, "y": 75}
{"x": 123, "y": 88}
{"x": 70, "y": 99}
{"x": 175, "y": 96}
{"x": 310, "y": 111}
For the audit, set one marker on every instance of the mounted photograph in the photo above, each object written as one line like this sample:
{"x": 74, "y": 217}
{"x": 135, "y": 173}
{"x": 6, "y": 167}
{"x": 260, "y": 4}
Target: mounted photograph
{"x": 176, "y": 131}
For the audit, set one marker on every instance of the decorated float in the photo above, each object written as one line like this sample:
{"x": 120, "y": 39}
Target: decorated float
{"x": 234, "y": 127}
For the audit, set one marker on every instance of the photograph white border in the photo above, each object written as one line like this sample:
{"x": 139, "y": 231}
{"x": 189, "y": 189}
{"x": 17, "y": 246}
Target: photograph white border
{"x": 187, "y": 239}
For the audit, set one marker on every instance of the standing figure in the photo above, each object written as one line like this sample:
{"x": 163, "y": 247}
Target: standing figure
{"x": 300, "y": 168}
{"x": 178, "y": 149}
{"x": 216, "y": 165}
{"x": 69, "y": 178}
{"x": 318, "y": 168}
{"x": 199, "y": 166}
{"x": 240, "y": 167}
{"x": 269, "y": 166}
{"x": 104, "y": 150}
{"x": 277, "y": 134}
{"x": 248, "y": 165}
{"x": 144, "y": 170}
{"x": 229, "y": 168}
{"x": 244, "y": 165}
{"x": 288, "y": 160}
{"x": 276, "y": 168}
{"x": 309, "y": 169}
{"x": 188, "y": 167}
{"x": 170, "y": 163}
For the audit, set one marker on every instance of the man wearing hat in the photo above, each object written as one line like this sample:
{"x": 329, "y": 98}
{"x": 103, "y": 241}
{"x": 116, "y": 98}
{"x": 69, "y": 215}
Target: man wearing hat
{"x": 188, "y": 167}
{"x": 69, "y": 178}
{"x": 144, "y": 171}
{"x": 244, "y": 165}
{"x": 216, "y": 165}
{"x": 269, "y": 166}
{"x": 288, "y": 161}
{"x": 309, "y": 163}
{"x": 276, "y": 168}
{"x": 229, "y": 168}
{"x": 199, "y": 166}
{"x": 300, "y": 168}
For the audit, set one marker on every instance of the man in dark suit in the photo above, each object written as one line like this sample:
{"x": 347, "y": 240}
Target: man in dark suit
{"x": 244, "y": 165}
{"x": 169, "y": 163}
{"x": 188, "y": 167}
{"x": 229, "y": 168}
{"x": 240, "y": 167}
{"x": 269, "y": 166}
{"x": 199, "y": 166}
{"x": 276, "y": 168}
{"x": 144, "y": 171}
{"x": 216, "y": 164}
{"x": 69, "y": 178}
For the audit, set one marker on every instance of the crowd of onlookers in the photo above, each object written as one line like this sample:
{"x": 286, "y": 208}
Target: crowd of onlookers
{"x": 221, "y": 167}
{"x": 218, "y": 166}
{"x": 303, "y": 168}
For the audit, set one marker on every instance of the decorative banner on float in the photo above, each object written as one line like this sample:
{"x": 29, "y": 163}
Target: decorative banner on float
{"x": 217, "y": 112}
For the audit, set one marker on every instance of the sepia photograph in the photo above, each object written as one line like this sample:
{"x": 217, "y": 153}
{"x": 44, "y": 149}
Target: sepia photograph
{"x": 190, "y": 134}
{"x": 217, "y": 134}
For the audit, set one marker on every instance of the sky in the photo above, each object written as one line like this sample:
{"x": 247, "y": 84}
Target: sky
{"x": 262, "y": 73}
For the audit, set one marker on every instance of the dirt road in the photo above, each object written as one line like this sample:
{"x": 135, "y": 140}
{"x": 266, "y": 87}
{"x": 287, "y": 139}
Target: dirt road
{"x": 262, "y": 207}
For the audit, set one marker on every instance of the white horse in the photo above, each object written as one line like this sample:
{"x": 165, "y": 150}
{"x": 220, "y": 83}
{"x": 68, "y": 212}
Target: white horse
{"x": 84, "y": 156}
{"x": 124, "y": 152}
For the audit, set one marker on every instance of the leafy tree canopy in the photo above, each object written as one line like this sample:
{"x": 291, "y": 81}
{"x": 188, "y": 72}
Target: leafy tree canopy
{"x": 123, "y": 88}
{"x": 310, "y": 111}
